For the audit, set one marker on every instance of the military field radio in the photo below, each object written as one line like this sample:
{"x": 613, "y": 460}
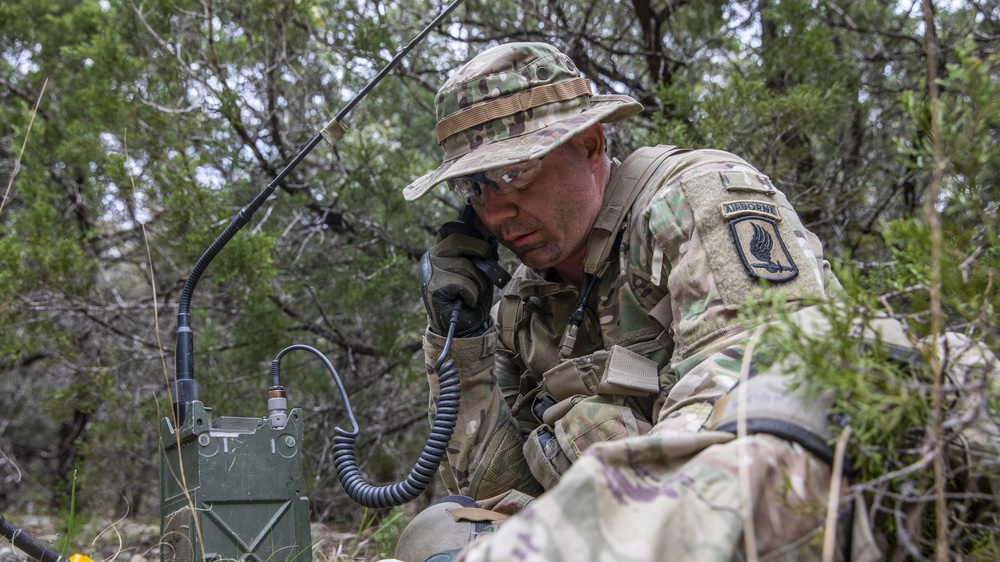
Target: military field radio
{"x": 231, "y": 488}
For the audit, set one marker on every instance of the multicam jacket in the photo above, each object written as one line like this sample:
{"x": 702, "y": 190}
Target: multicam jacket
{"x": 706, "y": 235}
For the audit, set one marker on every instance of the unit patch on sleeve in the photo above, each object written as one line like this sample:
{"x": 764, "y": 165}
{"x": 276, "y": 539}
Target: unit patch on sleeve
{"x": 741, "y": 238}
{"x": 733, "y": 209}
{"x": 761, "y": 248}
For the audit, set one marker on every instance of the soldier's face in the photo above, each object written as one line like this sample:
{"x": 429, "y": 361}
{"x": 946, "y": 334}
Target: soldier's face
{"x": 546, "y": 224}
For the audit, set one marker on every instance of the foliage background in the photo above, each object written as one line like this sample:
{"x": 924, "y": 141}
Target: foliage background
{"x": 157, "y": 121}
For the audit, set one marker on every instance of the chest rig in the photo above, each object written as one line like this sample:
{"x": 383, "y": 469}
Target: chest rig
{"x": 568, "y": 346}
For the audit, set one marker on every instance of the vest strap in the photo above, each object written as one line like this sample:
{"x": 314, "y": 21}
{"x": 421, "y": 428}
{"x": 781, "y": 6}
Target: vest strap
{"x": 626, "y": 183}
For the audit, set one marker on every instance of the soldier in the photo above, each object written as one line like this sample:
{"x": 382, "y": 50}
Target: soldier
{"x": 595, "y": 419}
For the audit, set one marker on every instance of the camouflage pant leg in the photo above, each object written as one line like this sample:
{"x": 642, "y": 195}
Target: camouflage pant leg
{"x": 646, "y": 498}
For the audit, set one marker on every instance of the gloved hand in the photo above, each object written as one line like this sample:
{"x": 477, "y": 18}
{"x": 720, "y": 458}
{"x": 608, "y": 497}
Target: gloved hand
{"x": 447, "y": 273}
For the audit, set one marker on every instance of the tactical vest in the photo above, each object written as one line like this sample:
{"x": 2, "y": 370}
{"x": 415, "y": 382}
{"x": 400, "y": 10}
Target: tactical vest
{"x": 637, "y": 340}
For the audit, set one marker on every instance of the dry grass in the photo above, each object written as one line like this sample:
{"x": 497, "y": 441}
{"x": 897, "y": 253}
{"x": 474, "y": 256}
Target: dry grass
{"x": 135, "y": 541}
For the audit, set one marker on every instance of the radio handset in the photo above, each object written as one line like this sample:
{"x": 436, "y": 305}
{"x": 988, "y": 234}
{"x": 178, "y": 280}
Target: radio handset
{"x": 470, "y": 224}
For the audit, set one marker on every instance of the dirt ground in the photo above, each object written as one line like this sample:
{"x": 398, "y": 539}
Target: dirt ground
{"x": 132, "y": 541}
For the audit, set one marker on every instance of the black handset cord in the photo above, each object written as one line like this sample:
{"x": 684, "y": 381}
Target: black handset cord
{"x": 344, "y": 456}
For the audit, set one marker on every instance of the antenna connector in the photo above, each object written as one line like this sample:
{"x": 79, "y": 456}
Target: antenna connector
{"x": 277, "y": 407}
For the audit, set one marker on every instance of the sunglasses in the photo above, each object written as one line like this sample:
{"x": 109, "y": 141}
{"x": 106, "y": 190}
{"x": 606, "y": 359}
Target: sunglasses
{"x": 500, "y": 180}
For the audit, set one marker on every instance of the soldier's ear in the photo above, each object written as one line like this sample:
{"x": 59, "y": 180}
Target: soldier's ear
{"x": 591, "y": 141}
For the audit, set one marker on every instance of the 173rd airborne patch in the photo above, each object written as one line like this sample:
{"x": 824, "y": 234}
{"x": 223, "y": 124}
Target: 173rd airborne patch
{"x": 761, "y": 248}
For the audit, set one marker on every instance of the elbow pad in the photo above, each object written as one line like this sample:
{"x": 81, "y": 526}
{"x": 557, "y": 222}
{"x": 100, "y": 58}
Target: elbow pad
{"x": 773, "y": 407}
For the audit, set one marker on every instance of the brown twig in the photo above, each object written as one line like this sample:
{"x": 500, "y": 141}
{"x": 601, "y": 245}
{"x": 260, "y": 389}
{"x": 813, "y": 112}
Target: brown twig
{"x": 966, "y": 265}
{"x": 746, "y": 494}
{"x": 17, "y": 163}
{"x": 833, "y": 501}
{"x": 933, "y": 219}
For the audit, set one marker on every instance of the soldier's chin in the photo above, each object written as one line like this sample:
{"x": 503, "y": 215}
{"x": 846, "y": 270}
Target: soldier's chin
{"x": 538, "y": 258}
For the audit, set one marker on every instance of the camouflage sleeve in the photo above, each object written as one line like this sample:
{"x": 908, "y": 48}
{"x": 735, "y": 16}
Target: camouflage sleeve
{"x": 713, "y": 234}
{"x": 484, "y": 455}
{"x": 647, "y": 499}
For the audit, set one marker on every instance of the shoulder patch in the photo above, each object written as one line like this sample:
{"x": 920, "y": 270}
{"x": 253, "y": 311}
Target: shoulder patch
{"x": 744, "y": 207}
{"x": 738, "y": 180}
{"x": 762, "y": 250}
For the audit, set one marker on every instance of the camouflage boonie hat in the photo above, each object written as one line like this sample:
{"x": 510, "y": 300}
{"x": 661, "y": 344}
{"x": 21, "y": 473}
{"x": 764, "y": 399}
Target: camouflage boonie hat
{"x": 510, "y": 104}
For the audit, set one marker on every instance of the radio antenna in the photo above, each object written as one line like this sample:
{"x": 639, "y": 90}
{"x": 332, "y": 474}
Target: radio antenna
{"x": 185, "y": 387}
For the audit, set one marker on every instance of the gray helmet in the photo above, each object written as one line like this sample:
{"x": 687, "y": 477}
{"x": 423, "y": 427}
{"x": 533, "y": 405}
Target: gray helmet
{"x": 437, "y": 531}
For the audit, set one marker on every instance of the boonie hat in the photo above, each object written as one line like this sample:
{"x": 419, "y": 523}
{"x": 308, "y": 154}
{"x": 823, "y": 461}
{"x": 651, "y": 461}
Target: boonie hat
{"x": 510, "y": 104}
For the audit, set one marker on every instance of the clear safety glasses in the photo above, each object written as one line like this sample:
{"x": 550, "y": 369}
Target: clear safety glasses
{"x": 500, "y": 180}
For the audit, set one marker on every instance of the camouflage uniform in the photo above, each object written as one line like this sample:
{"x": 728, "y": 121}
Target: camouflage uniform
{"x": 631, "y": 468}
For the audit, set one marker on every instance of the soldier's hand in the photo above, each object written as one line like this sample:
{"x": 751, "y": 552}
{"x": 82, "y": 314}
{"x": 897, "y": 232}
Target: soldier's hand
{"x": 447, "y": 273}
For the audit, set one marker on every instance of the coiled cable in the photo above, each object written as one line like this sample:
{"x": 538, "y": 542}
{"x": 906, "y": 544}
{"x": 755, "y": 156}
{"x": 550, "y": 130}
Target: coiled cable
{"x": 420, "y": 476}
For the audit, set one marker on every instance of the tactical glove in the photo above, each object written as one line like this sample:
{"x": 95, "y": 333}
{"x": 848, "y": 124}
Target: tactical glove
{"x": 447, "y": 274}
